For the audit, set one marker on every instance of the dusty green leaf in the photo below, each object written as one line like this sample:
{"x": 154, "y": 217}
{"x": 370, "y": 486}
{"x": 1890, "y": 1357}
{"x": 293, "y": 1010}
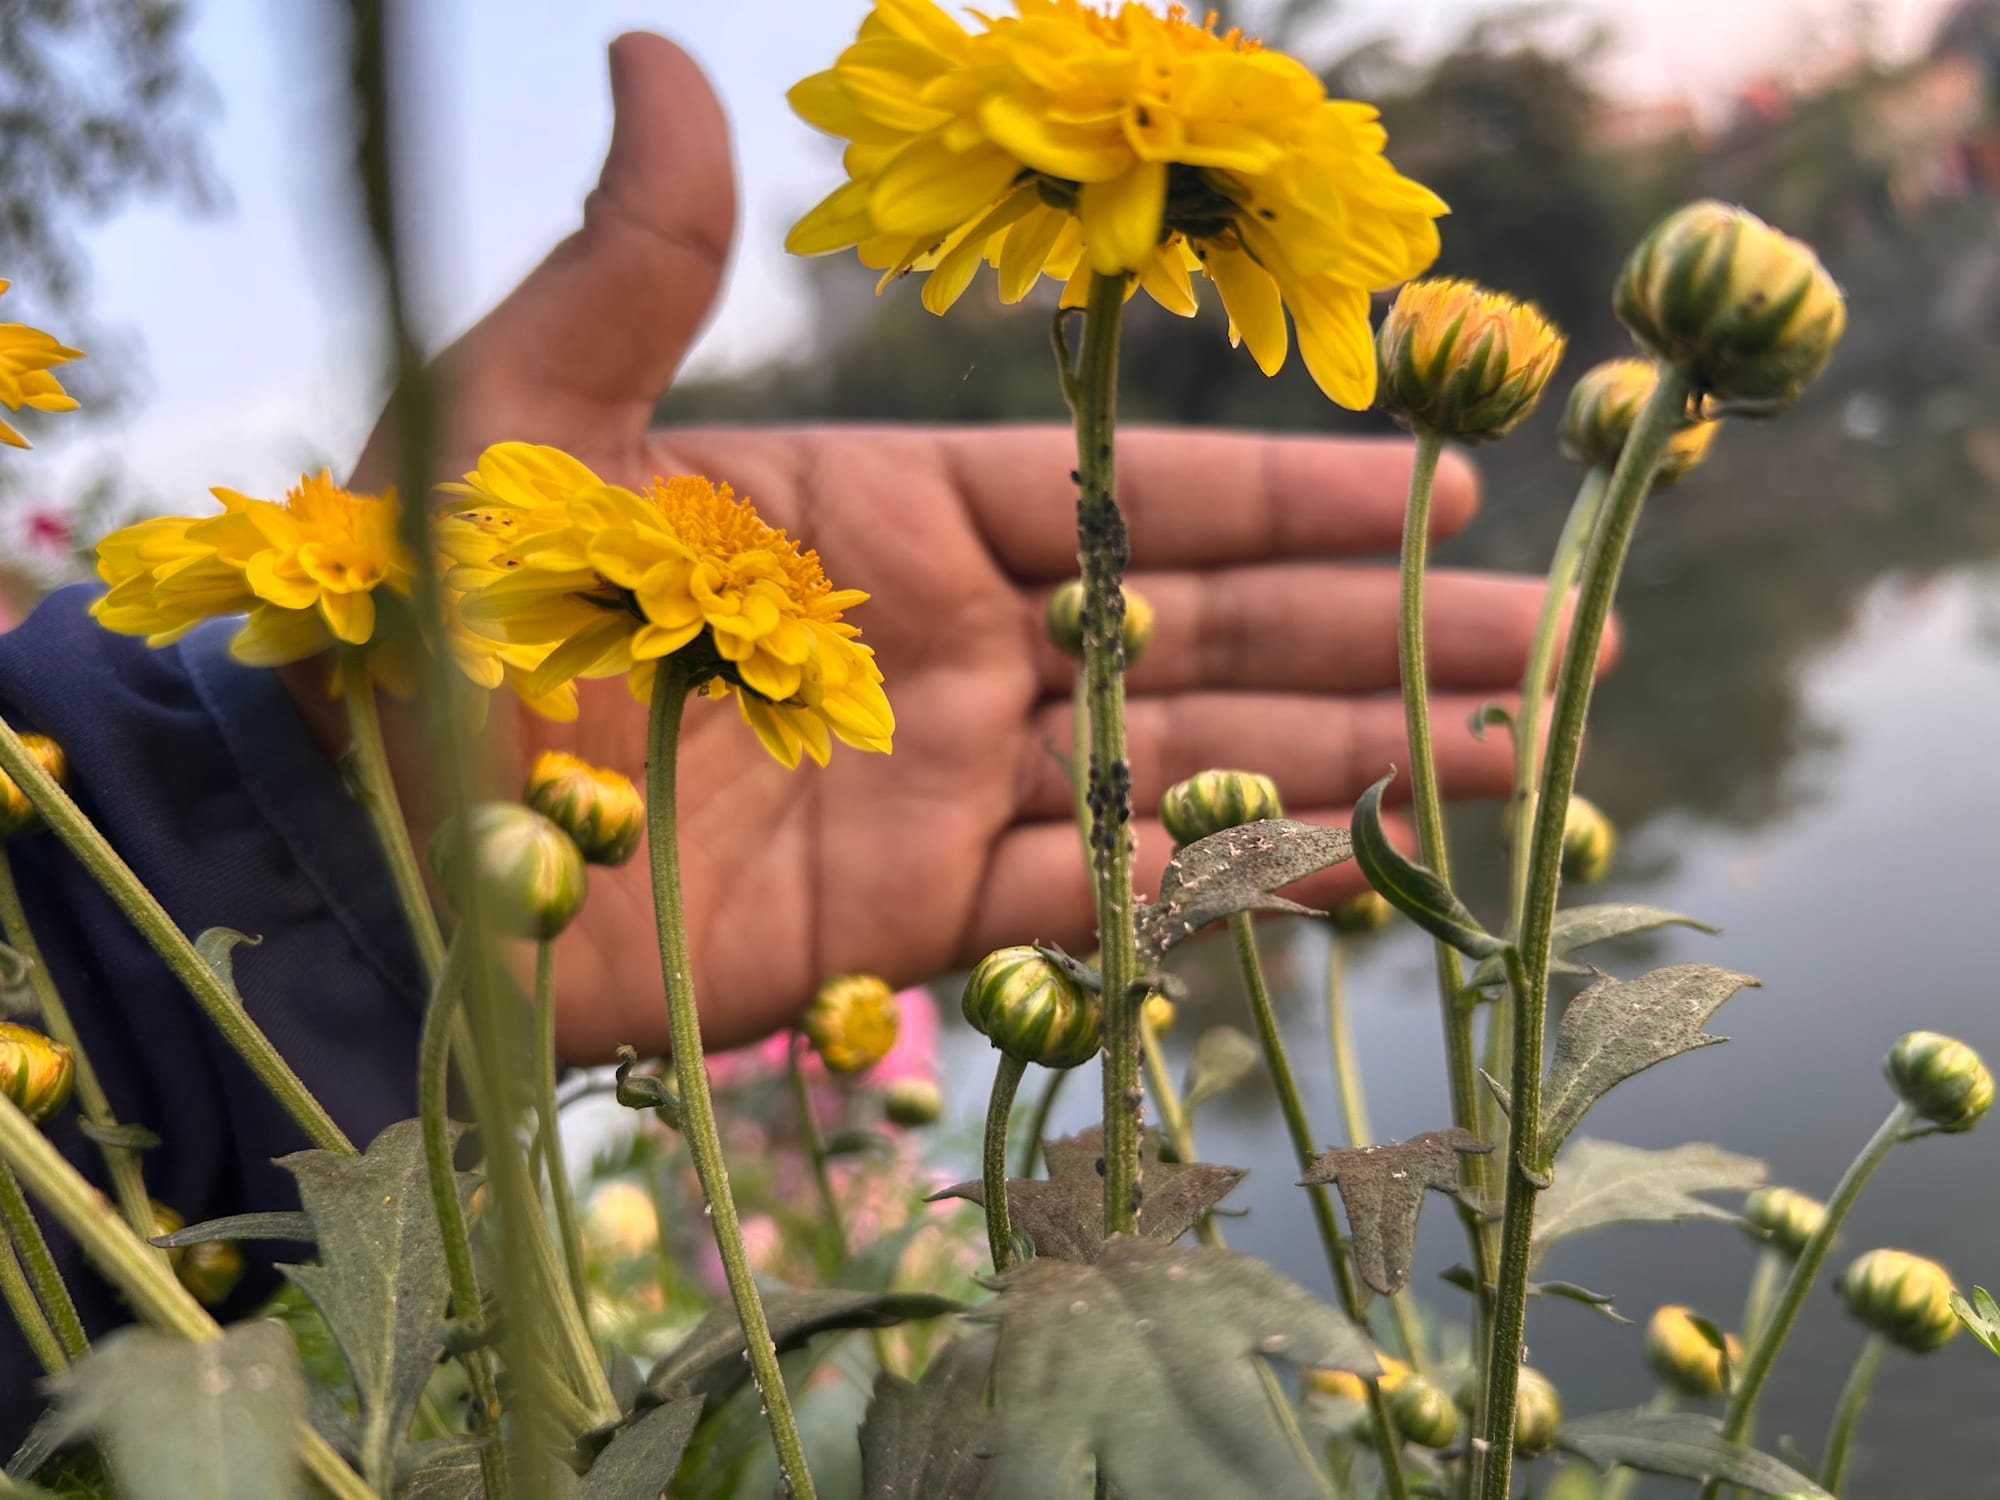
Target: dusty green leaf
{"x": 443, "y": 1469}
{"x": 1235, "y": 870}
{"x": 1223, "y": 1057}
{"x": 1684, "y": 1444}
{"x": 1146, "y": 1362}
{"x": 1619, "y": 1027}
{"x": 380, "y": 1282}
{"x": 640, "y": 1459}
{"x": 217, "y": 947}
{"x": 1598, "y": 1183}
{"x": 1064, "y": 1214}
{"x": 933, "y": 1439}
{"x": 288, "y": 1225}
{"x": 1412, "y": 889}
{"x": 1980, "y": 1315}
{"x": 1579, "y": 927}
{"x": 184, "y": 1421}
{"x": 1382, "y": 1188}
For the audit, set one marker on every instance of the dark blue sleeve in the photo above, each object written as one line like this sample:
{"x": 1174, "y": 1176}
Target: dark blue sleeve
{"x": 202, "y": 775}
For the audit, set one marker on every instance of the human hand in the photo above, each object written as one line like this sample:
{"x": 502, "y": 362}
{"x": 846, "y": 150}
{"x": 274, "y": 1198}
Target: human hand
{"x": 1274, "y": 651}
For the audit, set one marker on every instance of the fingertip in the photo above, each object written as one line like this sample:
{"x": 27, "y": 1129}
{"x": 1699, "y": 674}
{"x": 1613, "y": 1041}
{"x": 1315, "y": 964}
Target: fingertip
{"x": 1455, "y": 494}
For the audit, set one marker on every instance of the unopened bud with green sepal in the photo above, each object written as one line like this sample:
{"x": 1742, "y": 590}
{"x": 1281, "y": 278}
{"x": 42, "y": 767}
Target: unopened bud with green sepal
{"x": 852, "y": 1022}
{"x": 1784, "y": 1217}
{"x": 1032, "y": 1009}
{"x": 1424, "y": 1413}
{"x": 530, "y": 874}
{"x": 1903, "y": 1297}
{"x": 1605, "y": 403}
{"x": 36, "y": 1071}
{"x": 1940, "y": 1078}
{"x": 1064, "y": 621}
{"x": 1685, "y": 1358}
{"x": 1366, "y": 911}
{"x": 1210, "y": 801}
{"x": 598, "y": 808}
{"x": 17, "y": 814}
{"x": 912, "y": 1102}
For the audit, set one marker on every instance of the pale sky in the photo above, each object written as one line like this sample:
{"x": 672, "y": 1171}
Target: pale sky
{"x": 257, "y": 360}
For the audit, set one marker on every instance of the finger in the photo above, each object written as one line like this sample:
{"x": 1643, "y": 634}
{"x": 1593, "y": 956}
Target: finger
{"x": 1322, "y": 752}
{"x": 1202, "y": 498}
{"x": 1037, "y": 889}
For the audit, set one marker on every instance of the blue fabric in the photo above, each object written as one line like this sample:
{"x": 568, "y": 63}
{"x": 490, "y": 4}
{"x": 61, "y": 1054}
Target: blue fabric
{"x": 202, "y": 775}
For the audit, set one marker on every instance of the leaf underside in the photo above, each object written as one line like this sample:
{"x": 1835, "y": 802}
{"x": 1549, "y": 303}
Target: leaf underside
{"x": 1686, "y": 1445}
{"x": 1599, "y": 1183}
{"x": 1382, "y": 1188}
{"x": 1579, "y": 927}
{"x": 933, "y": 1439}
{"x": 640, "y": 1459}
{"x": 1235, "y": 870}
{"x": 1979, "y": 1314}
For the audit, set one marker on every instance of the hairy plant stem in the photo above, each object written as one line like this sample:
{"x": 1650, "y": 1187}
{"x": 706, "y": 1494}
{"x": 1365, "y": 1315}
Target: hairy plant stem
{"x": 698, "y": 1127}
{"x": 1292, "y": 1106}
{"x": 121, "y": 1163}
{"x": 548, "y": 1129}
{"x": 1527, "y": 957}
{"x": 369, "y": 758}
{"x": 1038, "y": 1123}
{"x": 21, "y": 1228}
{"x": 1102, "y": 550}
{"x": 27, "y": 1312}
{"x": 815, "y": 1143}
{"x": 1771, "y": 1339}
{"x": 993, "y": 1160}
{"x": 128, "y": 1263}
{"x": 1853, "y": 1396}
{"x": 145, "y": 913}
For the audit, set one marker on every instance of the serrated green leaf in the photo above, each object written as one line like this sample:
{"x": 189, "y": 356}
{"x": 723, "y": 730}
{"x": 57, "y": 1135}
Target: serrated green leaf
{"x": 1980, "y": 1315}
{"x": 1599, "y": 1183}
{"x": 287, "y": 1225}
{"x": 1412, "y": 889}
{"x": 1619, "y": 1027}
{"x": 1235, "y": 870}
{"x": 1578, "y": 927}
{"x": 933, "y": 1439}
{"x": 640, "y": 1458}
{"x": 191, "y": 1421}
{"x": 1382, "y": 1189}
{"x": 217, "y": 947}
{"x": 1146, "y": 1361}
{"x": 1686, "y": 1445}
{"x": 1223, "y": 1057}
{"x": 380, "y": 1282}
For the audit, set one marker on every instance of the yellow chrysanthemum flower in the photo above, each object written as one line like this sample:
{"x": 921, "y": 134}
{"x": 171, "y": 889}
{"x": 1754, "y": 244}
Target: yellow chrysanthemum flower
{"x": 1067, "y": 140}
{"x": 609, "y": 581}
{"x": 26, "y": 357}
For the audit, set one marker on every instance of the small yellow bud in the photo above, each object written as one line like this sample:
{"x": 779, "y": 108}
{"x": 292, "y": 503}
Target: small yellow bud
{"x": 623, "y": 1221}
{"x": 210, "y": 1270}
{"x": 1682, "y": 1356}
{"x": 1157, "y": 1014}
{"x": 600, "y": 809}
{"x": 1602, "y": 408}
{"x": 1747, "y": 314}
{"x": 1351, "y": 1387}
{"x": 1064, "y": 621}
{"x": 852, "y": 1022}
{"x": 1537, "y": 1415}
{"x": 1211, "y": 801}
{"x": 165, "y": 1222}
{"x": 913, "y": 1102}
{"x": 1941, "y": 1079}
{"x": 1031, "y": 1009}
{"x": 1589, "y": 839}
{"x": 17, "y": 813}
{"x": 531, "y": 874}
{"x": 1903, "y": 1297}
{"x": 36, "y": 1071}
{"x": 1783, "y": 1217}
{"x": 1368, "y": 911}
{"x": 1424, "y": 1414}
{"x": 1463, "y": 362}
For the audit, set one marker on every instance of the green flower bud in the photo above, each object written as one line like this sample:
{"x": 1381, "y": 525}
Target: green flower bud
{"x": 1064, "y": 621}
{"x": 1369, "y": 911}
{"x": 913, "y": 1102}
{"x": 210, "y": 1270}
{"x": 1682, "y": 1356}
{"x": 1783, "y": 1217}
{"x": 1461, "y": 361}
{"x": 600, "y": 809}
{"x": 36, "y": 1071}
{"x": 1157, "y": 1014}
{"x": 1941, "y": 1079}
{"x": 1424, "y": 1414}
{"x": 852, "y": 1022}
{"x": 1602, "y": 408}
{"x": 1747, "y": 314}
{"x": 1589, "y": 840}
{"x": 1903, "y": 1297}
{"x": 1031, "y": 1009}
{"x": 1537, "y": 1415}
{"x": 531, "y": 874}
{"x": 1211, "y": 801}
{"x": 17, "y": 813}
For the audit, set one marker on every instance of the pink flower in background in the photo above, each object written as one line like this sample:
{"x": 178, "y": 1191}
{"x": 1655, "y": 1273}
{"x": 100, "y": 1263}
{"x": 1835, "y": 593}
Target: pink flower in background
{"x": 48, "y": 531}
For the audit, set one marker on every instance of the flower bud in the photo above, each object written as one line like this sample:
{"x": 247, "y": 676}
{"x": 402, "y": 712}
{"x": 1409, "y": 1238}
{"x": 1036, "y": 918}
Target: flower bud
{"x": 1367, "y": 911}
{"x": 210, "y": 1270}
{"x": 1463, "y": 362}
{"x": 1747, "y": 314}
{"x": 1064, "y": 621}
{"x": 1684, "y": 1359}
{"x": 1031, "y": 1009}
{"x": 1351, "y": 1387}
{"x": 913, "y": 1102}
{"x": 1424, "y": 1414}
{"x": 1941, "y": 1079}
{"x": 17, "y": 813}
{"x": 1537, "y": 1415}
{"x": 1602, "y": 408}
{"x": 600, "y": 809}
{"x": 36, "y": 1071}
{"x": 852, "y": 1022}
{"x": 1211, "y": 801}
{"x": 1784, "y": 1217}
{"x": 1157, "y": 1014}
{"x": 1589, "y": 840}
{"x": 1903, "y": 1297}
{"x": 530, "y": 873}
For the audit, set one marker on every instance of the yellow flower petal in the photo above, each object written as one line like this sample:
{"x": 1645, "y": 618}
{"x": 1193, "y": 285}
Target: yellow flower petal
{"x": 1122, "y": 217}
{"x": 1256, "y": 311}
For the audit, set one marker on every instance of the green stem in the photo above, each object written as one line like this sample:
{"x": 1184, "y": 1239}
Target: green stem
{"x": 993, "y": 1160}
{"x": 1853, "y": 1396}
{"x": 1038, "y": 1123}
{"x": 698, "y": 1127}
{"x": 370, "y": 760}
{"x": 1102, "y": 551}
{"x": 1763, "y": 1287}
{"x": 121, "y": 1163}
{"x": 27, "y": 1310}
{"x": 1292, "y": 1106}
{"x": 1764, "y": 1352}
{"x": 1528, "y": 957}
{"x": 26, "y": 1234}
{"x": 549, "y": 1128}
{"x": 215, "y": 997}
{"x": 815, "y": 1142}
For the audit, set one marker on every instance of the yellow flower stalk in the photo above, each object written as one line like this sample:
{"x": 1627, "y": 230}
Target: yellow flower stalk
{"x": 1605, "y": 403}
{"x": 1463, "y": 362}
{"x": 27, "y": 355}
{"x": 1067, "y": 140}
